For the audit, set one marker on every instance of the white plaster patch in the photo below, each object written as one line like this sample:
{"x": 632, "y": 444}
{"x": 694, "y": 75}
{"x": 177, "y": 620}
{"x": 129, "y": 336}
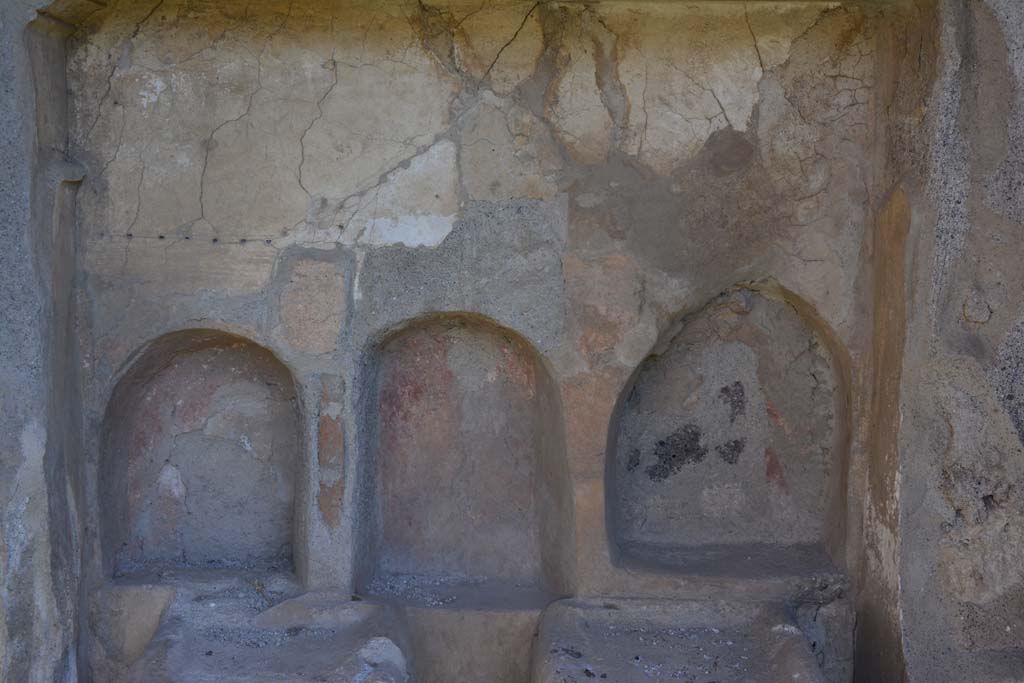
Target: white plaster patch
{"x": 29, "y": 477}
{"x": 169, "y": 483}
{"x": 412, "y": 231}
{"x": 26, "y": 535}
{"x": 332, "y": 410}
{"x": 637, "y": 339}
{"x": 357, "y": 292}
{"x": 150, "y": 92}
{"x": 415, "y": 206}
{"x": 380, "y": 651}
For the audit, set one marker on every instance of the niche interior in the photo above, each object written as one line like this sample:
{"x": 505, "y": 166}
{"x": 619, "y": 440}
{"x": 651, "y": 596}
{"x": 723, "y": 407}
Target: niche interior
{"x": 726, "y": 449}
{"x": 470, "y": 482}
{"x": 198, "y": 465}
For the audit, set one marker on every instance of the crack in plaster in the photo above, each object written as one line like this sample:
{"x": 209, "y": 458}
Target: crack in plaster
{"x": 113, "y": 69}
{"x": 511, "y": 40}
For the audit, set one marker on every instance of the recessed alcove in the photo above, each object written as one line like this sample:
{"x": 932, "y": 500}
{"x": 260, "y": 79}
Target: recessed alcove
{"x": 198, "y": 465}
{"x": 725, "y": 450}
{"x": 469, "y": 487}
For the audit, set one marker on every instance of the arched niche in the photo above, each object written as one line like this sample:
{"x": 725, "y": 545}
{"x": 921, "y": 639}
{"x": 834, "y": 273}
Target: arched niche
{"x": 469, "y": 484}
{"x": 727, "y": 449}
{"x": 199, "y": 456}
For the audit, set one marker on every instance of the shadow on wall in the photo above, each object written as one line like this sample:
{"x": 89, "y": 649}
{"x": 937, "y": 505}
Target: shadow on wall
{"x": 727, "y": 449}
{"x": 468, "y": 483}
{"x": 199, "y": 457}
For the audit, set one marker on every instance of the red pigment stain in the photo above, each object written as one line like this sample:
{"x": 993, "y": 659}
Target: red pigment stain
{"x": 331, "y": 452}
{"x": 518, "y": 368}
{"x": 775, "y": 416}
{"x": 406, "y": 384}
{"x": 147, "y": 427}
{"x": 773, "y": 470}
{"x": 147, "y": 430}
{"x": 417, "y": 392}
{"x": 331, "y": 456}
{"x": 193, "y": 408}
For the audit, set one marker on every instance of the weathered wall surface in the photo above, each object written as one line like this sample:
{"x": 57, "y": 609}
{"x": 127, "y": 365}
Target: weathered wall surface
{"x": 583, "y": 175}
{"x": 960, "y": 445}
{"x": 230, "y": 153}
{"x": 313, "y": 178}
{"x": 199, "y": 462}
{"x": 39, "y": 480}
{"x": 467, "y": 418}
{"x": 704, "y": 457}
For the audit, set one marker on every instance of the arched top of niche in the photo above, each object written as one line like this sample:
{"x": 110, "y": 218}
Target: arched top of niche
{"x": 199, "y": 454}
{"x": 728, "y": 447}
{"x": 150, "y": 355}
{"x": 456, "y": 319}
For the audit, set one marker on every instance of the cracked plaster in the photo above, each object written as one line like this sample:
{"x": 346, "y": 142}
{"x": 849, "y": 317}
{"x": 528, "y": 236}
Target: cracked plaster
{"x": 581, "y": 173}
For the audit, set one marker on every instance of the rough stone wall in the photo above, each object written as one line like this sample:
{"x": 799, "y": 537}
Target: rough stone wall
{"x": 40, "y": 481}
{"x": 960, "y": 443}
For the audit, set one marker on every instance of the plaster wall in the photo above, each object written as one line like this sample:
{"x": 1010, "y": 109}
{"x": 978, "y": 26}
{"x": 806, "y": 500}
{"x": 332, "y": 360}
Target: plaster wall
{"x": 312, "y": 178}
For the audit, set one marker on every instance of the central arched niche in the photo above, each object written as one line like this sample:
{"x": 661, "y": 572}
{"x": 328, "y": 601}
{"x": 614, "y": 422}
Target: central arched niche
{"x": 198, "y": 467}
{"x": 470, "y": 480}
{"x": 725, "y": 449}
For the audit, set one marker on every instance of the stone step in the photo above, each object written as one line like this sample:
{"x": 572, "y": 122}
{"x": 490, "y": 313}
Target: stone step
{"x": 693, "y": 641}
{"x": 228, "y": 629}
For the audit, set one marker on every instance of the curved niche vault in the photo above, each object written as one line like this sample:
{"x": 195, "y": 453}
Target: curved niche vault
{"x": 723, "y": 454}
{"x": 198, "y": 465}
{"x": 470, "y": 477}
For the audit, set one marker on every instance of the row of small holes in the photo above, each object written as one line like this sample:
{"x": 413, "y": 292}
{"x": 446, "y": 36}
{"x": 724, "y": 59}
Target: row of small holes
{"x": 215, "y": 240}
